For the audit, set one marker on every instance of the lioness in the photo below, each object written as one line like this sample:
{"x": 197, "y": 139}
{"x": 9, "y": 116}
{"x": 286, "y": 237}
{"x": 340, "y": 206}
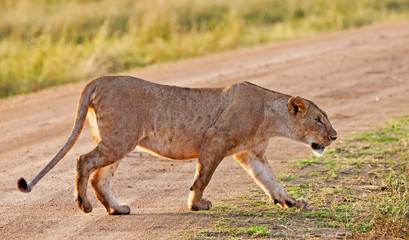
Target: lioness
{"x": 185, "y": 123}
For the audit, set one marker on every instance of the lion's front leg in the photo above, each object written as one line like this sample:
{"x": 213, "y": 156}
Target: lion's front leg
{"x": 257, "y": 166}
{"x": 212, "y": 153}
{"x": 204, "y": 172}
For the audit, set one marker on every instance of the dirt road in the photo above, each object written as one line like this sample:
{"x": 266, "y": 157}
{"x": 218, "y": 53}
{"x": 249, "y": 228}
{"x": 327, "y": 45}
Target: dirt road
{"x": 360, "y": 77}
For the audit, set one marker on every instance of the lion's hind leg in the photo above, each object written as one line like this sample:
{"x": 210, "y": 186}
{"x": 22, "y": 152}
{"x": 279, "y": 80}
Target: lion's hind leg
{"x": 102, "y": 156}
{"x": 257, "y": 166}
{"x": 100, "y": 182}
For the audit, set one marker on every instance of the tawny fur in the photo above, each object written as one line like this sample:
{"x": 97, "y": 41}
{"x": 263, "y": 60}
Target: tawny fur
{"x": 184, "y": 123}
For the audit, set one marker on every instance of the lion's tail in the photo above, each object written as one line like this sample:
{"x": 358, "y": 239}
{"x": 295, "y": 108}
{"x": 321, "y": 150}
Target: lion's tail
{"x": 82, "y": 111}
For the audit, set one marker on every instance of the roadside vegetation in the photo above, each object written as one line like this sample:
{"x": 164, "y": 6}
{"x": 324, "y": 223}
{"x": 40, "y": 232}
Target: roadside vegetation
{"x": 46, "y": 43}
{"x": 358, "y": 190}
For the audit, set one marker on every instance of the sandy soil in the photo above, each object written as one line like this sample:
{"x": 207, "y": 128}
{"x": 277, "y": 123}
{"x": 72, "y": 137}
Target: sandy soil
{"x": 360, "y": 77}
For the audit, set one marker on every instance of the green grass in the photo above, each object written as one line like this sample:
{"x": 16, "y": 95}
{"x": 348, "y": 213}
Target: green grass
{"x": 350, "y": 194}
{"x": 46, "y": 43}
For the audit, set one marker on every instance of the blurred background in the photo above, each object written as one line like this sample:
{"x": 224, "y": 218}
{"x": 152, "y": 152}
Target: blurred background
{"x": 45, "y": 43}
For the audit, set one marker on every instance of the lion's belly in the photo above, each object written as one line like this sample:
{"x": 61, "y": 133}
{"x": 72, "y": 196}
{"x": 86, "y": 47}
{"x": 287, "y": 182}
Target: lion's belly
{"x": 172, "y": 146}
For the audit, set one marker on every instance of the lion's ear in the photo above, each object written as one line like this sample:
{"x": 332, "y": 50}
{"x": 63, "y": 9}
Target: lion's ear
{"x": 297, "y": 108}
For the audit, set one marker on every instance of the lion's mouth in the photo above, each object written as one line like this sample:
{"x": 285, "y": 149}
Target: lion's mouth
{"x": 318, "y": 148}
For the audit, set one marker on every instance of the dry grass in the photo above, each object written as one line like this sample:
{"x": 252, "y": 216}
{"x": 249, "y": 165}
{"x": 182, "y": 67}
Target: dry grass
{"x": 46, "y": 43}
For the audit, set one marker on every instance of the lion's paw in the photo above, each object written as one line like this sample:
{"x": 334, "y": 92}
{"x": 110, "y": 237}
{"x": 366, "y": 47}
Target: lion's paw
{"x": 301, "y": 203}
{"x": 291, "y": 202}
{"x": 84, "y": 205}
{"x": 201, "y": 205}
{"x": 122, "y": 210}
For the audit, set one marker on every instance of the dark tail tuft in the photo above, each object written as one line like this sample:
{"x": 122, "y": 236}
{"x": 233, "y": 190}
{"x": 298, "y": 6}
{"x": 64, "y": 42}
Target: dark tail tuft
{"x": 22, "y": 185}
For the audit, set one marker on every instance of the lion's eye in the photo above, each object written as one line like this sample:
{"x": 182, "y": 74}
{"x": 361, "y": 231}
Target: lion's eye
{"x": 319, "y": 121}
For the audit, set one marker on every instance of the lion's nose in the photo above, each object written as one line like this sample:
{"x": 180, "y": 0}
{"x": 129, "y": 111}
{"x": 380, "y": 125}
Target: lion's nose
{"x": 333, "y": 138}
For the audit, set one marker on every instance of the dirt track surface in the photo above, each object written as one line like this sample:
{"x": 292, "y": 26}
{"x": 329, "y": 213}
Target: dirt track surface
{"x": 360, "y": 77}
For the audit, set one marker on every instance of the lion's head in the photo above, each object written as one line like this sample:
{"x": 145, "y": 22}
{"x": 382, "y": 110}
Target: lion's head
{"x": 314, "y": 128}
